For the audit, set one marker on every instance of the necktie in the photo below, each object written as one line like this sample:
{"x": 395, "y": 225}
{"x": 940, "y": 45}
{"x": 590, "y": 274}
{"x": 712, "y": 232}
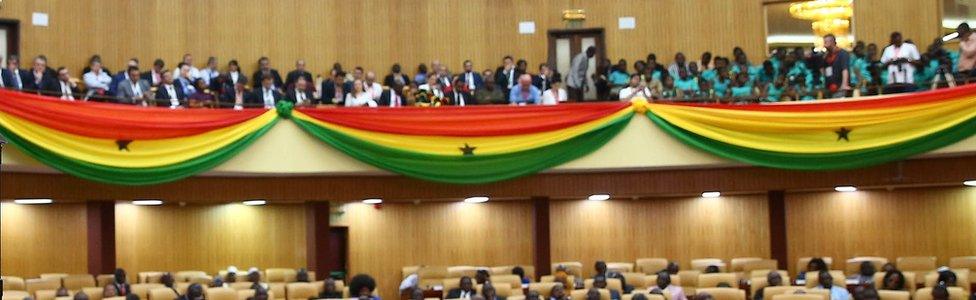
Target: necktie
{"x": 394, "y": 100}
{"x": 17, "y": 82}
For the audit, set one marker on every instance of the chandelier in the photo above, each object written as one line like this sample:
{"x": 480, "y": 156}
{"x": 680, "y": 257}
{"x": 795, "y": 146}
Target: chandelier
{"x": 828, "y": 17}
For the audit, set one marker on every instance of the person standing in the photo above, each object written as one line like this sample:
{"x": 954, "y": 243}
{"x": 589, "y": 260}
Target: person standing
{"x": 835, "y": 68}
{"x": 967, "y": 50}
{"x": 899, "y": 59}
{"x": 576, "y": 79}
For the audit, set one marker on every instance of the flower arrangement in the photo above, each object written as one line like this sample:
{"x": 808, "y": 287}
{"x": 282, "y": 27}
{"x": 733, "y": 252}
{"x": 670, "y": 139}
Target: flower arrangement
{"x": 427, "y": 98}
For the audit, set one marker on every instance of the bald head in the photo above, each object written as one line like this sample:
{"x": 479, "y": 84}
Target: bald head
{"x": 525, "y": 80}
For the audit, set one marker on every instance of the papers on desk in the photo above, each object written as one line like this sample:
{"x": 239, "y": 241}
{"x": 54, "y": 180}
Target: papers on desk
{"x": 437, "y": 287}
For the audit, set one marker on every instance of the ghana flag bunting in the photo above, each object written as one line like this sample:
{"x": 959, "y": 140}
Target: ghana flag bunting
{"x": 122, "y": 144}
{"x": 475, "y": 144}
{"x": 825, "y": 135}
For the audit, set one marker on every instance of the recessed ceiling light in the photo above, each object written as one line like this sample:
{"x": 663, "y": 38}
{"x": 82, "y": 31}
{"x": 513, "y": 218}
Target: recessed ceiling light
{"x": 846, "y": 188}
{"x": 373, "y": 201}
{"x": 147, "y": 202}
{"x": 599, "y": 197}
{"x": 712, "y": 194}
{"x": 33, "y": 201}
{"x": 255, "y": 202}
{"x": 969, "y": 183}
{"x": 477, "y": 199}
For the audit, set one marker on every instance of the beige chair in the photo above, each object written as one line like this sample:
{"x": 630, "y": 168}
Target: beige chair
{"x": 910, "y": 277}
{"x": 142, "y": 289}
{"x": 688, "y": 278}
{"x": 963, "y": 262}
{"x": 701, "y": 263}
{"x": 94, "y": 293}
{"x": 77, "y": 282}
{"x": 512, "y": 281}
{"x": 757, "y": 283}
{"x": 14, "y": 294}
{"x": 450, "y": 284}
{"x": 763, "y": 273}
{"x": 238, "y": 286}
{"x": 181, "y": 287}
{"x": 962, "y": 279}
{"x": 543, "y": 288}
{"x": 612, "y": 284}
{"x": 281, "y": 275}
{"x": 737, "y": 264}
{"x": 955, "y": 293}
{"x": 724, "y": 293}
{"x": 714, "y": 279}
{"x": 813, "y": 278}
{"x": 762, "y": 264}
{"x": 45, "y": 295}
{"x": 13, "y": 283}
{"x": 300, "y": 291}
{"x": 917, "y": 264}
{"x": 507, "y": 270}
{"x": 185, "y": 276}
{"x": 432, "y": 275}
{"x": 824, "y": 293}
{"x": 53, "y": 275}
{"x": 651, "y": 265}
{"x": 245, "y": 294}
{"x": 572, "y": 267}
{"x": 631, "y": 296}
{"x": 581, "y": 294}
{"x": 620, "y": 267}
{"x": 771, "y": 291}
{"x": 637, "y": 280}
{"x": 115, "y": 298}
{"x": 345, "y": 292}
{"x": 221, "y": 293}
{"x": 796, "y": 297}
{"x": 278, "y": 288}
{"x": 203, "y": 280}
{"x": 104, "y": 279}
{"x": 461, "y": 271}
{"x": 853, "y": 265}
{"x": 894, "y": 295}
{"x": 801, "y": 264}
{"x": 551, "y": 278}
{"x": 37, "y": 284}
{"x": 675, "y": 280}
{"x": 144, "y": 277}
{"x": 162, "y": 294}
{"x": 501, "y": 290}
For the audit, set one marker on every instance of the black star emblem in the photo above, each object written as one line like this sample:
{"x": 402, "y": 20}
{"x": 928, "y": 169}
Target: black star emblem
{"x": 842, "y": 134}
{"x": 123, "y": 144}
{"x": 467, "y": 150}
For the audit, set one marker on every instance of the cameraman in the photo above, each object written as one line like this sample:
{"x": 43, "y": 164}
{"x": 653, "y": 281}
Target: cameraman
{"x": 900, "y": 58}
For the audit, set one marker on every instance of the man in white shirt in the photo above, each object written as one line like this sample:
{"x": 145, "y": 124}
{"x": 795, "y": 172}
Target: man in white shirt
{"x": 471, "y": 78}
{"x": 169, "y": 93}
{"x": 576, "y": 79}
{"x": 194, "y": 72}
{"x": 636, "y": 88}
{"x": 900, "y": 58}
{"x": 266, "y": 95}
{"x": 432, "y": 85}
{"x": 375, "y": 89}
{"x": 555, "y": 94}
{"x": 211, "y": 72}
{"x": 66, "y": 88}
{"x": 154, "y": 76}
{"x": 97, "y": 79}
{"x": 133, "y": 90}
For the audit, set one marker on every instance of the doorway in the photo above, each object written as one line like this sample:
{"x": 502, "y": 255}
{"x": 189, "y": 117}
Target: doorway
{"x": 9, "y": 38}
{"x": 339, "y": 251}
{"x": 564, "y": 44}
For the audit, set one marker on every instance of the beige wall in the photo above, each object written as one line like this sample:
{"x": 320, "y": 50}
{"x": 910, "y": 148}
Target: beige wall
{"x": 43, "y": 239}
{"x": 874, "y": 20}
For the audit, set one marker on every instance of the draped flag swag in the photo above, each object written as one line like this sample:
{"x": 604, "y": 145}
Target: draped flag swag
{"x": 121, "y": 144}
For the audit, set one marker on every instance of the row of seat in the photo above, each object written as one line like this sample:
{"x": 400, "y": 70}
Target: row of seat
{"x": 157, "y": 291}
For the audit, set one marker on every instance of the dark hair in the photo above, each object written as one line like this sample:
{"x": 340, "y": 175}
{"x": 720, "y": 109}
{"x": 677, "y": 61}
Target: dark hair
{"x": 233, "y": 62}
{"x": 898, "y": 286}
{"x": 131, "y": 296}
{"x": 181, "y": 64}
{"x": 61, "y": 69}
{"x": 831, "y": 36}
{"x": 508, "y": 57}
{"x": 517, "y": 270}
{"x": 359, "y": 282}
{"x": 819, "y": 263}
{"x": 129, "y": 70}
{"x": 422, "y": 68}
{"x": 159, "y": 62}
{"x": 947, "y": 277}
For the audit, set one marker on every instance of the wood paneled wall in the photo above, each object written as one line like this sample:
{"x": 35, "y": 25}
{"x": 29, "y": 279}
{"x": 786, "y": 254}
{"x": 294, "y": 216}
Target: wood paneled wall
{"x": 680, "y": 229}
{"x": 904, "y": 222}
{"x": 209, "y": 237}
{"x": 371, "y": 33}
{"x": 381, "y": 241}
{"x": 43, "y": 239}
{"x": 875, "y": 20}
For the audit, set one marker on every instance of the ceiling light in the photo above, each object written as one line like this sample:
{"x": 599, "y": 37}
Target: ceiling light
{"x": 846, "y": 188}
{"x": 969, "y": 183}
{"x": 255, "y": 202}
{"x": 599, "y": 197}
{"x": 373, "y": 201}
{"x": 33, "y": 201}
{"x": 712, "y": 194}
{"x": 477, "y": 199}
{"x": 147, "y": 202}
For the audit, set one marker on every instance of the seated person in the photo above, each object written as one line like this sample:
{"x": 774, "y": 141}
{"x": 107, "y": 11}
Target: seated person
{"x": 672, "y": 268}
{"x": 601, "y": 269}
{"x": 80, "y": 296}
{"x": 333, "y": 89}
{"x": 668, "y": 90}
{"x": 815, "y": 265}
{"x": 109, "y": 291}
{"x": 300, "y": 94}
{"x": 826, "y": 281}
{"x": 193, "y": 292}
{"x": 488, "y": 292}
{"x": 201, "y": 96}
{"x": 940, "y": 292}
{"x": 482, "y": 276}
{"x": 362, "y": 286}
{"x": 741, "y": 88}
{"x": 947, "y": 277}
{"x": 686, "y": 83}
{"x": 238, "y": 96}
{"x": 712, "y": 269}
{"x": 301, "y": 275}
{"x": 773, "y": 278}
{"x": 254, "y": 277}
{"x": 464, "y": 291}
{"x": 533, "y": 295}
{"x": 865, "y": 292}
{"x": 704, "y": 296}
{"x": 122, "y": 287}
{"x": 593, "y": 294}
{"x": 62, "y": 292}
{"x": 558, "y": 292}
{"x": 259, "y": 294}
{"x": 663, "y": 284}
{"x": 866, "y": 273}
{"x": 774, "y": 92}
{"x": 562, "y": 275}
{"x": 97, "y": 80}
{"x": 167, "y": 278}
{"x": 393, "y": 97}
{"x": 518, "y": 270}
{"x": 169, "y": 93}
{"x": 635, "y": 89}
{"x": 133, "y": 90}
{"x": 555, "y": 94}
{"x": 358, "y": 96}
{"x": 600, "y": 282}
{"x": 460, "y": 95}
{"x": 329, "y": 290}
{"x": 524, "y": 93}
{"x": 415, "y": 294}
{"x": 433, "y": 85}
{"x": 490, "y": 93}
{"x": 267, "y": 95}
{"x": 217, "y": 282}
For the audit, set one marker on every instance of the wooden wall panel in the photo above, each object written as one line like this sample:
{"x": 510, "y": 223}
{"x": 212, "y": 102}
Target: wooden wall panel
{"x": 372, "y": 33}
{"x": 209, "y": 237}
{"x": 875, "y": 20}
{"x": 381, "y": 241}
{"x": 904, "y": 222}
{"x": 679, "y": 229}
{"x": 43, "y": 239}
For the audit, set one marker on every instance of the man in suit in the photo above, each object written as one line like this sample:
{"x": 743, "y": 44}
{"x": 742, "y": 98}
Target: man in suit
{"x": 600, "y": 282}
{"x": 155, "y": 74}
{"x": 333, "y": 89}
{"x": 123, "y": 75}
{"x": 39, "y": 79}
{"x": 460, "y": 95}
{"x": 465, "y": 291}
{"x": 576, "y": 78}
{"x": 264, "y": 69}
{"x": 134, "y": 90}
{"x": 122, "y": 287}
{"x": 234, "y": 73}
{"x": 299, "y": 72}
{"x": 471, "y": 78}
{"x": 169, "y": 93}
{"x": 505, "y": 76}
{"x": 65, "y": 89}
{"x": 300, "y": 94}
{"x": 544, "y": 78}
{"x": 266, "y": 95}
{"x": 392, "y": 97}
{"x": 396, "y": 77}
{"x": 14, "y": 76}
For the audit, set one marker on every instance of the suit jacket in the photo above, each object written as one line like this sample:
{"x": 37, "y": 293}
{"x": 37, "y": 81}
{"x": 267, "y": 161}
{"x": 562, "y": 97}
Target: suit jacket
{"x": 163, "y": 95}
{"x": 47, "y": 83}
{"x": 240, "y": 78}
{"x": 295, "y": 74}
{"x": 502, "y": 81}
{"x": 542, "y": 83}
{"x": 328, "y": 90}
{"x": 9, "y": 80}
{"x": 57, "y": 92}
{"x": 386, "y": 96}
{"x": 478, "y": 81}
{"x": 274, "y": 76}
{"x": 456, "y": 293}
{"x": 389, "y": 80}
{"x": 123, "y": 289}
{"x": 114, "y": 86}
{"x": 257, "y": 96}
{"x": 468, "y": 98}
{"x": 125, "y": 93}
{"x": 293, "y": 95}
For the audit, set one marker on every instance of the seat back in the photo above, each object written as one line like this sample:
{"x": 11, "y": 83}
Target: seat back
{"x": 512, "y": 281}
{"x": 955, "y": 293}
{"x": 612, "y": 284}
{"x": 572, "y": 267}
{"x": 549, "y": 278}
{"x": 713, "y": 279}
{"x": 962, "y": 279}
{"x": 801, "y": 264}
{"x": 724, "y": 293}
{"x": 581, "y": 294}
{"x": 763, "y": 273}
{"x": 281, "y": 275}
{"x": 651, "y": 265}
{"x": 300, "y": 291}
{"x": 637, "y": 280}
{"x": 94, "y": 293}
{"x": 757, "y": 283}
{"x": 142, "y": 289}
{"x": 185, "y": 276}
{"x": 918, "y": 264}
{"x": 688, "y": 278}
{"x": 432, "y": 275}
{"x": 76, "y": 282}
{"x": 771, "y": 291}
{"x": 104, "y": 279}
{"x": 38, "y": 284}
{"x": 543, "y": 288}
{"x": 221, "y": 293}
{"x": 675, "y": 280}
{"x": 813, "y": 279}
{"x": 501, "y": 290}
{"x": 248, "y": 293}
{"x": 237, "y": 286}
{"x": 631, "y": 296}
{"x": 620, "y": 267}
{"x": 13, "y": 283}
{"x": 162, "y": 294}
{"x": 736, "y": 264}
{"x": 893, "y": 295}
{"x": 701, "y": 263}
{"x": 53, "y": 275}
{"x": 461, "y": 271}
{"x": 910, "y": 278}
{"x": 762, "y": 264}
{"x": 278, "y": 288}
{"x": 16, "y": 295}
{"x": 45, "y": 295}
{"x": 144, "y": 277}
{"x": 451, "y": 283}
{"x": 796, "y": 297}
{"x": 963, "y": 262}
{"x": 853, "y": 265}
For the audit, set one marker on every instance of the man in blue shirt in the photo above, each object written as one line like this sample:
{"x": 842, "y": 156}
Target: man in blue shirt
{"x": 827, "y": 282}
{"x": 524, "y": 93}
